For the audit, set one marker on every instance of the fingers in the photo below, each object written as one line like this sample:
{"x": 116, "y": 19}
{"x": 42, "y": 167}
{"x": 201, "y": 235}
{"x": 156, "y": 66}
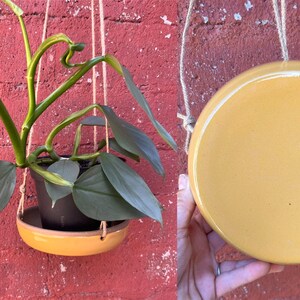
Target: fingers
{"x": 230, "y": 265}
{"x": 185, "y": 208}
{"x": 185, "y": 202}
{"x": 241, "y": 273}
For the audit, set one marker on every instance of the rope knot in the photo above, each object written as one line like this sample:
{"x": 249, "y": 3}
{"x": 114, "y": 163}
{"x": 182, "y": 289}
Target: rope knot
{"x": 22, "y": 189}
{"x": 188, "y": 122}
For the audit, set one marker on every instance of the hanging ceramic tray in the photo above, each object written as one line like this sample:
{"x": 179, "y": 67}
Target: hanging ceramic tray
{"x": 244, "y": 162}
{"x": 67, "y": 243}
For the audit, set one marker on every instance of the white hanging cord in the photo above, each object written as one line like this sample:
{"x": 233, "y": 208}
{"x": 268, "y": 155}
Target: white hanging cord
{"x": 104, "y": 71}
{"x": 25, "y": 172}
{"x": 103, "y": 224}
{"x": 188, "y": 119}
{"x": 280, "y": 18}
{"x": 103, "y": 229}
{"x": 94, "y": 71}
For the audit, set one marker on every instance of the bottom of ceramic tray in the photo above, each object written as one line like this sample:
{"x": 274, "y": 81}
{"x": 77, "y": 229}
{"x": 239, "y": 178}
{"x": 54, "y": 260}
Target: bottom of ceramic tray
{"x": 68, "y": 243}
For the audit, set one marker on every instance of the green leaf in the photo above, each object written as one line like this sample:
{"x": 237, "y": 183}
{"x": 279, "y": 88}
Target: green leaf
{"x": 7, "y": 182}
{"x": 97, "y": 199}
{"x": 139, "y": 97}
{"x": 77, "y": 47}
{"x": 133, "y": 140}
{"x": 93, "y": 121}
{"x": 67, "y": 169}
{"x": 130, "y": 186}
{"x": 113, "y": 144}
{"x": 114, "y": 63}
{"x": 65, "y": 59}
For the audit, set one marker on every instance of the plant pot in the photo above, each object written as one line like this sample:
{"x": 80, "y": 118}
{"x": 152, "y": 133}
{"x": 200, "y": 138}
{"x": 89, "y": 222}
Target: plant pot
{"x": 64, "y": 215}
{"x": 65, "y": 242}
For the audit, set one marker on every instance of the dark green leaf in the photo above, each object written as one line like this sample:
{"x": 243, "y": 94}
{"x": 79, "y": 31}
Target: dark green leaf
{"x": 7, "y": 182}
{"x": 67, "y": 169}
{"x": 133, "y": 140}
{"x": 113, "y": 144}
{"x": 139, "y": 97}
{"x": 130, "y": 186}
{"x": 93, "y": 121}
{"x": 96, "y": 198}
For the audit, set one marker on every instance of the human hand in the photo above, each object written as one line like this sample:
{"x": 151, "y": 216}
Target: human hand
{"x": 197, "y": 245}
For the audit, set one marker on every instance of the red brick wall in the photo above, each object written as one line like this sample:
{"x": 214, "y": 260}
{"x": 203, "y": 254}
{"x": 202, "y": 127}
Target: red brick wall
{"x": 143, "y": 35}
{"x": 224, "y": 40}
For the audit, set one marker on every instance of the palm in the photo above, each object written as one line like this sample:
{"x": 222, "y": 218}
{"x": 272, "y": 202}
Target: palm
{"x": 197, "y": 246}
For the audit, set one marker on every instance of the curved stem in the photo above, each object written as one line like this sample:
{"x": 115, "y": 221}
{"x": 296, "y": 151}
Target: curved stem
{"x": 66, "y": 85}
{"x": 33, "y": 157}
{"x": 88, "y": 156}
{"x": 73, "y": 117}
{"x": 31, "y": 70}
{"x": 57, "y": 93}
{"x": 77, "y": 140}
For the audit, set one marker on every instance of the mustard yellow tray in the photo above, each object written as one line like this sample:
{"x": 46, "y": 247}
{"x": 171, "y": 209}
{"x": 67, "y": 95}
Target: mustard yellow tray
{"x": 244, "y": 162}
{"x": 65, "y": 242}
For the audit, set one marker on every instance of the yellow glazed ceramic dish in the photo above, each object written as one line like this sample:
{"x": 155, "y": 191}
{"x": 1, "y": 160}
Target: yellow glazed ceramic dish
{"x": 64, "y": 242}
{"x": 244, "y": 162}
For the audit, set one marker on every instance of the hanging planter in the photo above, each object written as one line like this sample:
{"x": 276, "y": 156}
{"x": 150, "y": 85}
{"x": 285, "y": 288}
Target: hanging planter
{"x": 244, "y": 162}
{"x": 68, "y": 243}
{"x": 109, "y": 191}
{"x": 244, "y": 155}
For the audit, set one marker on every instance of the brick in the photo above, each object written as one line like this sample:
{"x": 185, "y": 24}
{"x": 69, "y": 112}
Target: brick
{"x": 225, "y": 39}
{"x": 144, "y": 266}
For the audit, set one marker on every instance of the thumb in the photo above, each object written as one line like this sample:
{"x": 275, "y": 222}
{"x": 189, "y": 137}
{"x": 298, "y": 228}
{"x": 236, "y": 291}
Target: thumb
{"x": 185, "y": 202}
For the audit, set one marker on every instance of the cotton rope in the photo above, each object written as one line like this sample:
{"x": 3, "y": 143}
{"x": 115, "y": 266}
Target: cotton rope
{"x": 103, "y": 224}
{"x": 188, "y": 119}
{"x": 280, "y": 18}
{"x": 94, "y": 71}
{"x": 25, "y": 172}
{"x": 104, "y": 70}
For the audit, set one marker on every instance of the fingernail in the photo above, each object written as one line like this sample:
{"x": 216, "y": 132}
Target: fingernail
{"x": 182, "y": 180}
{"x": 277, "y": 268}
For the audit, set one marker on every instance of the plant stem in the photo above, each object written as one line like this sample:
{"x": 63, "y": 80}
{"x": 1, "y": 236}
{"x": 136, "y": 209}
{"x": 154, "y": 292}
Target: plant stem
{"x": 26, "y": 40}
{"x": 57, "y": 93}
{"x": 31, "y": 70}
{"x": 88, "y": 156}
{"x": 72, "y": 118}
{"x": 77, "y": 140}
{"x": 13, "y": 133}
{"x": 33, "y": 157}
{"x": 66, "y": 85}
